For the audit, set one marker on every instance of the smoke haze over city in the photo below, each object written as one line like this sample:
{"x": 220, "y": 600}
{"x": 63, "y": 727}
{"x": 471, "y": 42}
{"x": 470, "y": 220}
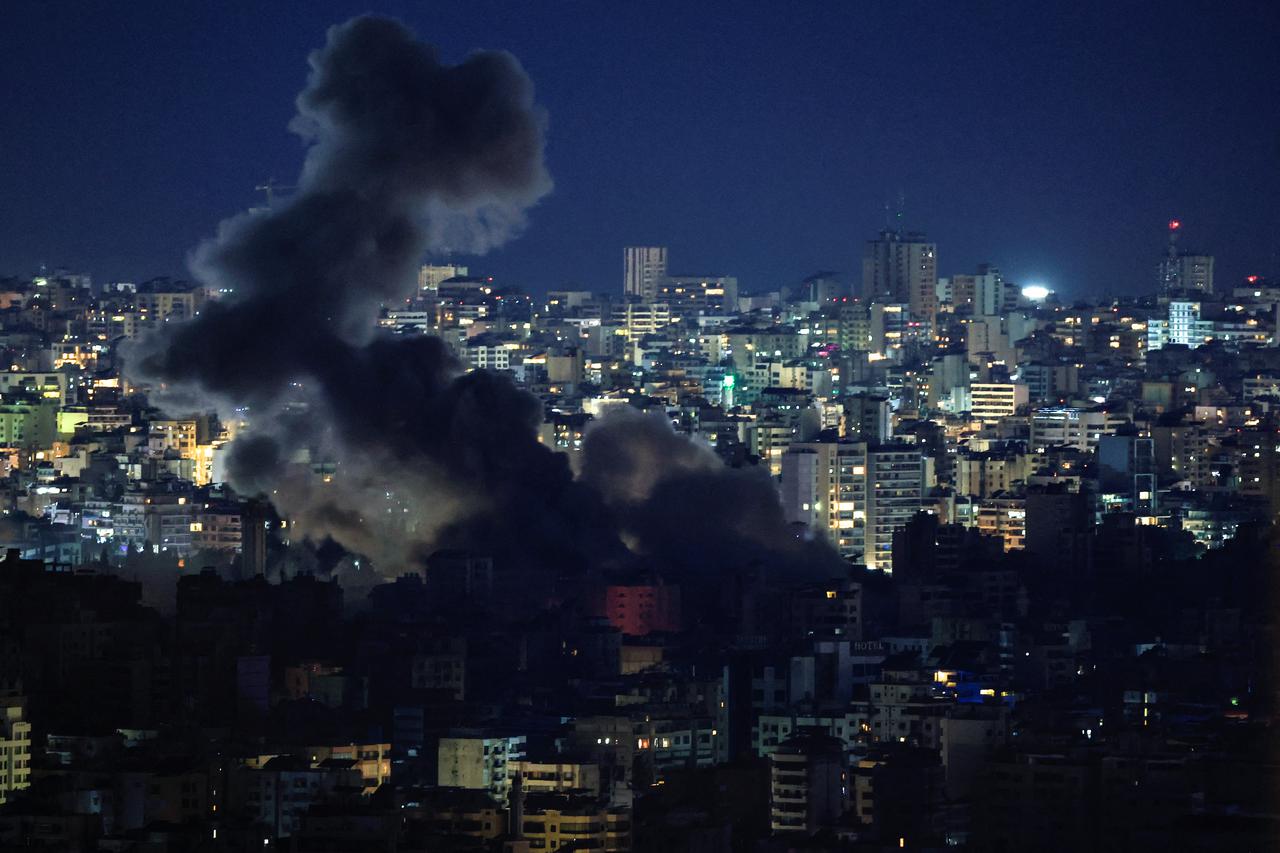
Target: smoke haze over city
{"x": 660, "y": 428}
{"x": 405, "y": 154}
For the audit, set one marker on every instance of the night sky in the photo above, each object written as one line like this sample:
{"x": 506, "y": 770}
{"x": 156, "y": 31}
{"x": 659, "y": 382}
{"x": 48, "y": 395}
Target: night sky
{"x": 756, "y": 139}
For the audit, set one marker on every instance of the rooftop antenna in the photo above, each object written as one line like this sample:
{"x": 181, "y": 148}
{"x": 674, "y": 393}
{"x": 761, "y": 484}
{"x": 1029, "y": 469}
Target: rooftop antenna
{"x": 902, "y": 208}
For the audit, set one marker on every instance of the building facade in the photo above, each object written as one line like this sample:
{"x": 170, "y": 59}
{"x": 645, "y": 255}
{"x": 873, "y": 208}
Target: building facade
{"x": 645, "y": 271}
{"x": 901, "y": 267}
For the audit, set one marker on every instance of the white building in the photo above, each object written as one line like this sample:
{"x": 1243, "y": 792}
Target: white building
{"x": 1183, "y": 326}
{"x": 855, "y": 494}
{"x": 895, "y": 484}
{"x": 15, "y": 748}
{"x": 1186, "y": 325}
{"x": 1072, "y": 427}
{"x": 490, "y": 354}
{"x": 991, "y": 401}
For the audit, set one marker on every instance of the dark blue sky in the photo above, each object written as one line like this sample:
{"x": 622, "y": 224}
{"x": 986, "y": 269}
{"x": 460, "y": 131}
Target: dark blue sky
{"x": 760, "y": 139}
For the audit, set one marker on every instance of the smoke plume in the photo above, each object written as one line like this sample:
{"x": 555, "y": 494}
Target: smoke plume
{"x": 680, "y": 507}
{"x": 382, "y": 443}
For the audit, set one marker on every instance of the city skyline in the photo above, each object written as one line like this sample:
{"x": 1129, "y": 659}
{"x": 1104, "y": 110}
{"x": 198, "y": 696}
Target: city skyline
{"x": 1057, "y": 156}
{"x": 319, "y": 547}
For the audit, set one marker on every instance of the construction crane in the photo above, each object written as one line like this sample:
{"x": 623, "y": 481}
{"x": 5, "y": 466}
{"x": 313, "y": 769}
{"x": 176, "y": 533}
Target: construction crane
{"x": 269, "y": 187}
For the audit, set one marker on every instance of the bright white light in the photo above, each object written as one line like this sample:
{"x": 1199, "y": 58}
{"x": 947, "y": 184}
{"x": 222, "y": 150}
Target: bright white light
{"x": 1035, "y": 292}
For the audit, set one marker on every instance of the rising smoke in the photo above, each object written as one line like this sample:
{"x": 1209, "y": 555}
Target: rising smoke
{"x": 680, "y": 507}
{"x": 407, "y": 155}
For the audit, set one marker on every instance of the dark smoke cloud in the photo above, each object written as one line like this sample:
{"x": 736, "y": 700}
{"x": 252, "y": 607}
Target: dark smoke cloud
{"x": 406, "y": 154}
{"x": 384, "y": 445}
{"x": 404, "y": 151}
{"x": 680, "y": 506}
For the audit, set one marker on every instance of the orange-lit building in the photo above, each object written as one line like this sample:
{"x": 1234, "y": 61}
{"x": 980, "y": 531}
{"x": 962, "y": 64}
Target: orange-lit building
{"x": 642, "y": 608}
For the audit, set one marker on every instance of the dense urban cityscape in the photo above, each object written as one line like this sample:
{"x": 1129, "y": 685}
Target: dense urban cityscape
{"x": 342, "y": 543}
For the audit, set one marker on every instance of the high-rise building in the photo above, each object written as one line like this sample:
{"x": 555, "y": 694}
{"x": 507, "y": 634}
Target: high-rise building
{"x": 824, "y": 486}
{"x": 902, "y": 267}
{"x": 645, "y": 271}
{"x": 854, "y": 493}
{"x": 895, "y": 484}
{"x": 991, "y": 293}
{"x": 1184, "y": 272}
